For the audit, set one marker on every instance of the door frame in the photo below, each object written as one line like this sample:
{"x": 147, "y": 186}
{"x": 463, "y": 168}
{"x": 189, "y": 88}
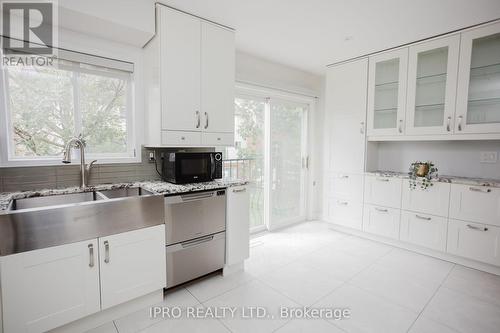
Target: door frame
{"x": 268, "y": 93}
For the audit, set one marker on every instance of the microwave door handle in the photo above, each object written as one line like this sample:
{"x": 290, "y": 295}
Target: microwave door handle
{"x": 212, "y": 166}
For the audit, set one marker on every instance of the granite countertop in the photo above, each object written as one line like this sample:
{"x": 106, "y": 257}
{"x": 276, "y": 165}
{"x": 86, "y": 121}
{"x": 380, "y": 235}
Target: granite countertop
{"x": 444, "y": 179}
{"x": 157, "y": 187}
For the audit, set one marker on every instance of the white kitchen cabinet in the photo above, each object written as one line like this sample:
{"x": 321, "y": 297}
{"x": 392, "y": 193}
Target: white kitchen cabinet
{"x": 47, "y": 288}
{"x": 345, "y": 212}
{"x": 346, "y": 185}
{"x": 382, "y": 221}
{"x": 474, "y": 241}
{"x": 478, "y": 92}
{"x": 432, "y": 81}
{"x": 132, "y": 264}
{"x": 479, "y": 204}
{"x": 387, "y": 80}
{"x": 424, "y": 230}
{"x": 383, "y": 191}
{"x": 237, "y": 224}
{"x": 189, "y": 82}
{"x": 346, "y": 108}
{"x": 217, "y": 78}
{"x": 433, "y": 200}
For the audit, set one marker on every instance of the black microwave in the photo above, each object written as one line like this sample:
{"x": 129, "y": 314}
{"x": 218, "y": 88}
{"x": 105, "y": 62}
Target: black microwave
{"x": 183, "y": 167}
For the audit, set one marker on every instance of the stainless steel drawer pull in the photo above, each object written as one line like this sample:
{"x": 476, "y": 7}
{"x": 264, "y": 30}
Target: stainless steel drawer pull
{"x": 91, "y": 255}
{"x": 423, "y": 217}
{"x": 343, "y": 203}
{"x": 381, "y": 210}
{"x": 198, "y": 241}
{"x": 198, "y": 119}
{"x": 343, "y": 176}
{"x": 475, "y": 189}
{"x": 206, "y": 120}
{"x": 473, "y": 227}
{"x": 382, "y": 179}
{"x": 106, "y": 252}
{"x": 239, "y": 190}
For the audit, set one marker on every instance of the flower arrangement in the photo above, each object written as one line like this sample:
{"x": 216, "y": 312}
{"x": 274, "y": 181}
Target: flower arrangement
{"x": 421, "y": 174}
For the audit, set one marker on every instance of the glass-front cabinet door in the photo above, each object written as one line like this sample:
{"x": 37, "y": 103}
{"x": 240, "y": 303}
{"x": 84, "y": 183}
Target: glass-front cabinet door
{"x": 478, "y": 92}
{"x": 432, "y": 82}
{"x": 387, "y": 92}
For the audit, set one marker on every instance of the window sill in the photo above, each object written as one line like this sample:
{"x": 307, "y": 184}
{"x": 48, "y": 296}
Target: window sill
{"x": 58, "y": 161}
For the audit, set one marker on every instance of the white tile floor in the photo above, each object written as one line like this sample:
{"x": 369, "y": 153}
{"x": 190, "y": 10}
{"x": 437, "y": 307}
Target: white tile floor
{"x": 387, "y": 289}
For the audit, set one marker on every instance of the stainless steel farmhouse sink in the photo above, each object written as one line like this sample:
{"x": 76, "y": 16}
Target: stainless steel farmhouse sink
{"x": 40, "y": 222}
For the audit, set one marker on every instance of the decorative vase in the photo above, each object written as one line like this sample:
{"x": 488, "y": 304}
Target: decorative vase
{"x": 423, "y": 170}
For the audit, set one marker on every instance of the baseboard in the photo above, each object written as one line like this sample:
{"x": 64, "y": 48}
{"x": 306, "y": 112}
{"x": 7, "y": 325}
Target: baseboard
{"x": 418, "y": 249}
{"x": 105, "y": 316}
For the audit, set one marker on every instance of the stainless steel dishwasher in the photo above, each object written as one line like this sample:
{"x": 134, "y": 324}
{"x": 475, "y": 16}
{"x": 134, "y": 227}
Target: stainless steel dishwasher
{"x": 195, "y": 234}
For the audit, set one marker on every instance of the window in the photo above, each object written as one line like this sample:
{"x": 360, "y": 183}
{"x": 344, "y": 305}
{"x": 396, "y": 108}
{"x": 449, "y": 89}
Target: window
{"x": 46, "y": 106}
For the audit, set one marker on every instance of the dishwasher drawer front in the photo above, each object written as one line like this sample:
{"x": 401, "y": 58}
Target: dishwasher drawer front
{"x": 194, "y": 215}
{"x": 195, "y": 258}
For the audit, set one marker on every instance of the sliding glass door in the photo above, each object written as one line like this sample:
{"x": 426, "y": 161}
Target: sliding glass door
{"x": 271, "y": 152}
{"x": 288, "y": 162}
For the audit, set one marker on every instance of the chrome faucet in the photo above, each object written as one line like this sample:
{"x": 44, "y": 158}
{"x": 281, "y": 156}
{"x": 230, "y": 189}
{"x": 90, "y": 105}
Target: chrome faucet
{"x": 78, "y": 142}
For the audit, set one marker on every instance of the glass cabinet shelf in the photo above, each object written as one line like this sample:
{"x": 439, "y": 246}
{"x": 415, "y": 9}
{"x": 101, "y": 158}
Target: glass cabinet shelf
{"x": 387, "y": 84}
{"x": 441, "y": 76}
{"x": 485, "y": 70}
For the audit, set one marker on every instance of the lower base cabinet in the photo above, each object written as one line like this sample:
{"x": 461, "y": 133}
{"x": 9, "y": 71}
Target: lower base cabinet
{"x": 474, "y": 241}
{"x": 237, "y": 224}
{"x": 345, "y": 212}
{"x": 424, "y": 230}
{"x": 382, "y": 221}
{"x": 47, "y": 288}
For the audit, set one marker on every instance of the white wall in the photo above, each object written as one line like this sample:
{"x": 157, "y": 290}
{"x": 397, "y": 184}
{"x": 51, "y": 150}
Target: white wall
{"x": 454, "y": 158}
{"x": 258, "y": 71}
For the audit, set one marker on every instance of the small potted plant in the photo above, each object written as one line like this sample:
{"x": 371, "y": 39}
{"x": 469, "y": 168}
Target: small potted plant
{"x": 421, "y": 174}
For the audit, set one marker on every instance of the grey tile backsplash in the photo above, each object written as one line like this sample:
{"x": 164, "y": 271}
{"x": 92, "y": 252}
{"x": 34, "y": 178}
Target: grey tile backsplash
{"x": 35, "y": 178}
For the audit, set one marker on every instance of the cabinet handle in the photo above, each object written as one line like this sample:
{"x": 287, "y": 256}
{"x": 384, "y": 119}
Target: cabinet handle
{"x": 381, "y": 210}
{"x": 239, "y": 190}
{"x": 343, "y": 203}
{"x": 460, "y": 122}
{"x": 362, "y": 127}
{"x": 344, "y": 176}
{"x": 382, "y": 179}
{"x": 198, "y": 119}
{"x": 106, "y": 252}
{"x": 423, "y": 217}
{"x": 473, "y": 227}
{"x": 475, "y": 189}
{"x": 91, "y": 255}
{"x": 448, "y": 124}
{"x": 400, "y": 128}
{"x": 206, "y": 120}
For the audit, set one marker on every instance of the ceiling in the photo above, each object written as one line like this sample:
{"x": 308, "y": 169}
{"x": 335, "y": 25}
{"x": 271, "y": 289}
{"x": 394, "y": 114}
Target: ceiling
{"x": 310, "y": 34}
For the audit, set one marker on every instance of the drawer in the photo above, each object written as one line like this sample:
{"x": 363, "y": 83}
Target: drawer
{"x": 383, "y": 191}
{"x": 217, "y": 139}
{"x": 345, "y": 212}
{"x": 474, "y": 241}
{"x": 425, "y": 230}
{"x": 382, "y": 221}
{"x": 346, "y": 185}
{"x": 180, "y": 138}
{"x": 195, "y": 258}
{"x": 433, "y": 200}
{"x": 475, "y": 203}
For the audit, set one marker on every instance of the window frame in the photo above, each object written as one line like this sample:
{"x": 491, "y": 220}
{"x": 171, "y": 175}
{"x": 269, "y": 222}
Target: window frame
{"x": 134, "y": 121}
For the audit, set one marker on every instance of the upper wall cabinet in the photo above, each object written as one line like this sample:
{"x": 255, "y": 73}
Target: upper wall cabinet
{"x": 189, "y": 82}
{"x": 432, "y": 82}
{"x": 387, "y": 92}
{"x": 478, "y": 93}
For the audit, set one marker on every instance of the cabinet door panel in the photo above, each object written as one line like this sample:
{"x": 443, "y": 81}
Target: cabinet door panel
{"x": 180, "y": 70}
{"x": 474, "y": 241}
{"x": 44, "y": 289}
{"x": 381, "y": 221}
{"x": 238, "y": 224}
{"x": 433, "y": 200}
{"x": 346, "y": 185}
{"x": 132, "y": 264}
{"x": 475, "y": 203}
{"x": 424, "y": 230}
{"x": 217, "y": 78}
{"x": 383, "y": 191}
{"x": 432, "y": 80}
{"x": 345, "y": 212}
{"x": 478, "y": 93}
{"x": 387, "y": 93}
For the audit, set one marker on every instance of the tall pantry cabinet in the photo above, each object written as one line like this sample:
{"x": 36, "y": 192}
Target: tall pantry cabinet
{"x": 346, "y": 124}
{"x": 190, "y": 78}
